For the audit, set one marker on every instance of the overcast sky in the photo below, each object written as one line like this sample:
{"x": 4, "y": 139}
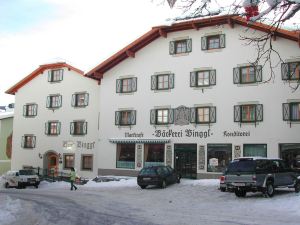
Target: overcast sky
{"x": 80, "y": 32}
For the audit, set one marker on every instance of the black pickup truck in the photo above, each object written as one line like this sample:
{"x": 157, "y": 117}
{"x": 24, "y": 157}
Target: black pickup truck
{"x": 251, "y": 174}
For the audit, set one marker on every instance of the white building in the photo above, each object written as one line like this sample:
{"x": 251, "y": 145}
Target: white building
{"x": 184, "y": 95}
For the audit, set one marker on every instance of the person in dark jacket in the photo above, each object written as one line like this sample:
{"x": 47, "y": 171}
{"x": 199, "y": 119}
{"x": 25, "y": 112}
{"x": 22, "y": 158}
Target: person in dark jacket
{"x": 72, "y": 179}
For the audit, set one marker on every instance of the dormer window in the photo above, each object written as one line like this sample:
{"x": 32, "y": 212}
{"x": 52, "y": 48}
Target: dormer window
{"x": 55, "y": 75}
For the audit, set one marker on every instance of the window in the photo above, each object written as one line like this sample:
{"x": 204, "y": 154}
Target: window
{"x": 52, "y": 128}
{"x": 291, "y": 111}
{"x": 162, "y": 81}
{"x": 28, "y": 141}
{"x": 203, "y": 115}
{"x": 255, "y": 150}
{"x": 80, "y": 99}
{"x": 248, "y": 113}
{"x": 55, "y": 75}
{"x": 180, "y": 46}
{"x": 126, "y": 85}
{"x": 87, "y": 162}
{"x": 54, "y": 101}
{"x": 78, "y": 128}
{"x": 161, "y": 116}
{"x": 290, "y": 71}
{"x": 154, "y": 154}
{"x": 218, "y": 157}
{"x": 30, "y": 110}
{"x": 125, "y": 118}
{"x": 213, "y": 42}
{"x": 126, "y": 156}
{"x": 69, "y": 160}
{"x": 203, "y": 78}
{"x": 290, "y": 153}
{"x": 247, "y": 74}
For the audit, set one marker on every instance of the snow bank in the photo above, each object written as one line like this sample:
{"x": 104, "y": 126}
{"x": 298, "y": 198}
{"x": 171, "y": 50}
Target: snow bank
{"x": 202, "y": 182}
{"x": 8, "y": 208}
{"x": 54, "y": 185}
{"x": 123, "y": 182}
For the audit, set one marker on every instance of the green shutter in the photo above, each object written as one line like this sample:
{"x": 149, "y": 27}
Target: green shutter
{"x": 133, "y": 84}
{"x": 119, "y": 86}
{"x": 24, "y": 110}
{"x": 193, "y": 115}
{"x": 48, "y": 102}
{"x": 259, "y": 112}
{"x": 117, "y": 117}
{"x": 49, "y": 76}
{"x": 222, "y": 41}
{"x": 212, "y": 114}
{"x": 23, "y": 142}
{"x": 34, "y": 109}
{"x": 154, "y": 82}
{"x": 204, "y": 43}
{"x": 133, "y": 117}
{"x": 237, "y": 113}
{"x": 286, "y": 111}
{"x": 236, "y": 75}
{"x": 47, "y": 128}
{"x": 258, "y": 73}
{"x": 212, "y": 77}
{"x": 86, "y": 99}
{"x": 73, "y": 103}
{"x": 72, "y": 128}
{"x": 84, "y": 128}
{"x": 285, "y": 71}
{"x": 172, "y": 48}
{"x": 59, "y": 101}
{"x": 153, "y": 116}
{"x": 171, "y": 80}
{"x": 171, "y": 116}
{"x": 189, "y": 45}
{"x": 58, "y": 127}
{"x": 193, "y": 79}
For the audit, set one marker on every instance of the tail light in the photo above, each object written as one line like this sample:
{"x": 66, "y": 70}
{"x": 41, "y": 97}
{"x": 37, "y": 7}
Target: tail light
{"x": 254, "y": 178}
{"x": 222, "y": 179}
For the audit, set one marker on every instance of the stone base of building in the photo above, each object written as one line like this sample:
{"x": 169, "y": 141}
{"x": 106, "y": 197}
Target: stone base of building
{"x": 117, "y": 172}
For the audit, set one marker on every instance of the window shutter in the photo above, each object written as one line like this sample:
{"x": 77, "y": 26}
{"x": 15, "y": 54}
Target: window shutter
{"x": 258, "y": 73}
{"x": 237, "y": 113}
{"x": 23, "y": 142}
{"x": 286, "y": 112}
{"x": 236, "y": 75}
{"x": 86, "y": 99}
{"x": 171, "y": 116}
{"x": 171, "y": 80}
{"x": 204, "y": 43}
{"x": 189, "y": 45}
{"x": 84, "y": 128}
{"x": 133, "y": 84}
{"x": 24, "y": 110}
{"x": 47, "y": 128}
{"x": 117, "y": 117}
{"x": 49, "y": 76}
{"x": 153, "y": 116}
{"x": 72, "y": 128}
{"x": 212, "y": 77}
{"x": 61, "y": 74}
{"x": 284, "y": 71}
{"x": 133, "y": 117}
{"x": 153, "y": 82}
{"x": 48, "y": 101}
{"x": 33, "y": 141}
{"x": 259, "y": 112}
{"x": 172, "y": 48}
{"x": 119, "y": 86}
{"x": 193, "y": 115}
{"x": 58, "y": 127}
{"x": 193, "y": 76}
{"x": 222, "y": 41}
{"x": 212, "y": 114}
{"x": 34, "y": 109}
{"x": 73, "y": 100}
{"x": 59, "y": 100}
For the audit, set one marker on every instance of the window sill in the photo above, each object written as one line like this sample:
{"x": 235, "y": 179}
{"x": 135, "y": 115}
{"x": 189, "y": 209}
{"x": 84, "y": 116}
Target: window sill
{"x": 125, "y": 126}
{"x": 213, "y": 50}
{"x": 87, "y": 170}
{"x": 248, "y": 84}
{"x": 126, "y": 93}
{"x": 30, "y": 116}
{"x": 181, "y": 54}
{"x": 203, "y": 87}
{"x": 162, "y": 90}
{"x": 55, "y": 81}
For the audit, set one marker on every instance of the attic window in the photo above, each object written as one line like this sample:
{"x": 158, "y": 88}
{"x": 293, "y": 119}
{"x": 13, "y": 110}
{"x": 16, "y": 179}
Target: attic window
{"x": 55, "y": 75}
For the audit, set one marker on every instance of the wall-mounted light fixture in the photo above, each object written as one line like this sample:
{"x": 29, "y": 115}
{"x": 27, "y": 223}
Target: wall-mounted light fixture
{"x": 40, "y": 156}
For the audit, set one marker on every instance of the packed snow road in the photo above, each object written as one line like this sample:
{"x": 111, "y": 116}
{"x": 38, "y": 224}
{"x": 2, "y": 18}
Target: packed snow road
{"x": 116, "y": 203}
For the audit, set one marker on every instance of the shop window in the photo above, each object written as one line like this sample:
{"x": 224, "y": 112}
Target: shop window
{"x": 55, "y": 75}
{"x": 78, "y": 128}
{"x": 203, "y": 78}
{"x": 87, "y": 162}
{"x": 290, "y": 153}
{"x": 161, "y": 116}
{"x": 291, "y": 111}
{"x": 54, "y": 101}
{"x": 180, "y": 46}
{"x": 213, "y": 42}
{"x": 69, "y": 160}
{"x": 290, "y": 71}
{"x": 251, "y": 113}
{"x": 247, "y": 74}
{"x": 28, "y": 141}
{"x": 218, "y": 157}
{"x": 30, "y": 110}
{"x": 255, "y": 150}
{"x": 125, "y": 118}
{"x": 126, "y": 156}
{"x": 154, "y": 154}
{"x": 52, "y": 128}
{"x": 126, "y": 85}
{"x": 80, "y": 99}
{"x": 162, "y": 81}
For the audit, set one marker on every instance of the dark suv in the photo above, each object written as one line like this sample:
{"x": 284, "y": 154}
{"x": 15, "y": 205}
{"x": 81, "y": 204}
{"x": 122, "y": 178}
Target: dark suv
{"x": 258, "y": 174}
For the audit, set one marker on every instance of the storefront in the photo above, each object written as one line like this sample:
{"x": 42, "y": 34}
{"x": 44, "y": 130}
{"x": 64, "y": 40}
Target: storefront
{"x": 290, "y": 153}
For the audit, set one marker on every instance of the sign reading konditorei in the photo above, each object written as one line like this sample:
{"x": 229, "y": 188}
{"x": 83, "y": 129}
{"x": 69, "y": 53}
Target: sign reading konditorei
{"x": 183, "y": 133}
{"x": 236, "y": 133}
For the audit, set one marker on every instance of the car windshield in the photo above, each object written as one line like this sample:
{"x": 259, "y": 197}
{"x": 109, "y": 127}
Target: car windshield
{"x": 241, "y": 166}
{"x": 26, "y": 172}
{"x": 148, "y": 171}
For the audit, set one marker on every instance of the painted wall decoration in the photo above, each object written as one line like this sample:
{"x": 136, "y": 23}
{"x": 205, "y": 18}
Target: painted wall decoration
{"x": 169, "y": 155}
{"x": 237, "y": 151}
{"x": 9, "y": 146}
{"x": 201, "y": 153}
{"x": 182, "y": 116}
{"x": 139, "y": 156}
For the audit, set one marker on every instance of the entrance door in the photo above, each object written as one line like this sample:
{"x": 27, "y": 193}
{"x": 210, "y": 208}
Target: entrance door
{"x": 185, "y": 161}
{"x": 52, "y": 163}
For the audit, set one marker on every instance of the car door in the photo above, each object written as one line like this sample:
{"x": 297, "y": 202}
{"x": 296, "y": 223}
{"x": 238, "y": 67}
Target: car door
{"x": 173, "y": 176}
{"x": 286, "y": 173}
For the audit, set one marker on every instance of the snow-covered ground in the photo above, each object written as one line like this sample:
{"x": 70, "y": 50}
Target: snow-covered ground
{"x": 123, "y": 202}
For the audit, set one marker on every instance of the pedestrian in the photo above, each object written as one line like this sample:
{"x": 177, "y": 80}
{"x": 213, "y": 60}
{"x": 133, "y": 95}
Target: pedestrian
{"x": 72, "y": 178}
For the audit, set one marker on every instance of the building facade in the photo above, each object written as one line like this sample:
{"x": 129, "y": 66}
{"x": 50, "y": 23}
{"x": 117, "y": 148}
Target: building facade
{"x": 6, "y": 129}
{"x": 185, "y": 95}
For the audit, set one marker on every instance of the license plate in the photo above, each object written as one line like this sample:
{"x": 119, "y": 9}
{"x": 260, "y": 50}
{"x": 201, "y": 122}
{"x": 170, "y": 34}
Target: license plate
{"x": 239, "y": 184}
{"x": 146, "y": 178}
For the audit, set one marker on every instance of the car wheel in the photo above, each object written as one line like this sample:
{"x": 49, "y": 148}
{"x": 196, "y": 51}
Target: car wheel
{"x": 163, "y": 184}
{"x": 269, "y": 192}
{"x": 6, "y": 185}
{"x": 36, "y": 186}
{"x": 223, "y": 189}
{"x": 240, "y": 193}
{"x": 297, "y": 187}
{"x": 19, "y": 186}
{"x": 143, "y": 186}
{"x": 178, "y": 179}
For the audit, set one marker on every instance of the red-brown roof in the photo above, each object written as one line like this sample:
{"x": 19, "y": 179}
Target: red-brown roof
{"x": 156, "y": 32}
{"x": 37, "y": 72}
